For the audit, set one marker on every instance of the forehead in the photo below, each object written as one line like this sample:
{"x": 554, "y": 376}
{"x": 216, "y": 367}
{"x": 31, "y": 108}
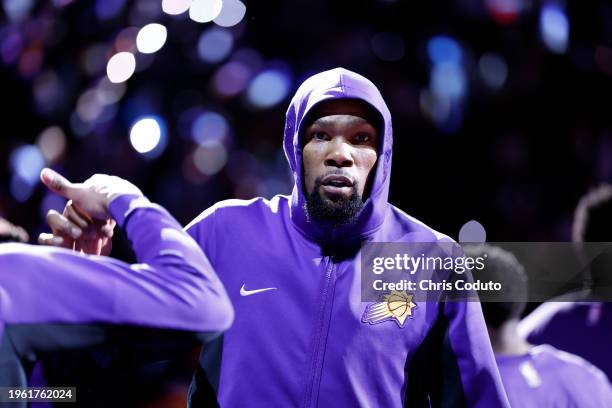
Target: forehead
{"x": 349, "y": 107}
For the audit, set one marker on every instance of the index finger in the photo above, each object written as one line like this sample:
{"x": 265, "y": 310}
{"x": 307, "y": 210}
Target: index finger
{"x": 57, "y": 183}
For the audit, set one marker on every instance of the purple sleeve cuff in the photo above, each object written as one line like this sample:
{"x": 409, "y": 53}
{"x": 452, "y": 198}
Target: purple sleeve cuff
{"x": 123, "y": 205}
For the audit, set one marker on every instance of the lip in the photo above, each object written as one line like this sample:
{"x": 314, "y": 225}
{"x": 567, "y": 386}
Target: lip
{"x": 328, "y": 180}
{"x": 335, "y": 192}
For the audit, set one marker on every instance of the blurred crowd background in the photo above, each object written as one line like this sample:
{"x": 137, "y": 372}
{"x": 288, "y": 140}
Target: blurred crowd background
{"x": 500, "y": 107}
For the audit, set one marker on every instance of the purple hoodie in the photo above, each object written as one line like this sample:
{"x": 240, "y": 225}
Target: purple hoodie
{"x": 300, "y": 338}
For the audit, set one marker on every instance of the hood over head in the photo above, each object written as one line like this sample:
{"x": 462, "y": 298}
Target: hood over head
{"x": 338, "y": 83}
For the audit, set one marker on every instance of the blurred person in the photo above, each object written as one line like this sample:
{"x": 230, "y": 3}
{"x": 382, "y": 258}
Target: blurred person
{"x": 551, "y": 321}
{"x": 533, "y": 376}
{"x": 52, "y": 299}
{"x": 291, "y": 267}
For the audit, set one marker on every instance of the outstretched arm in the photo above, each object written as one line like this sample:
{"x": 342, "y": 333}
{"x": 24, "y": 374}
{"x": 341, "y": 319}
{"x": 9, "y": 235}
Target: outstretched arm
{"x": 172, "y": 287}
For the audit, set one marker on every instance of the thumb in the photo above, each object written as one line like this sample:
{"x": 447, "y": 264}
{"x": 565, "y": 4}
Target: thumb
{"x": 58, "y": 183}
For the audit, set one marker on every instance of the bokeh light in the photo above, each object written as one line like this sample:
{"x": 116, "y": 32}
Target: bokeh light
{"x": 107, "y": 9}
{"x": 493, "y": 70}
{"x": 268, "y": 88}
{"x": 12, "y": 44}
{"x": 108, "y": 92}
{"x": 147, "y": 136}
{"x": 554, "y": 28}
{"x": 215, "y": 44}
{"x": 505, "y": 11}
{"x": 26, "y": 162}
{"x": 120, "y": 67}
{"x": 448, "y": 80}
{"x": 209, "y": 126}
{"x": 48, "y": 92}
{"x": 108, "y": 114}
{"x": 52, "y": 143}
{"x": 210, "y": 157}
{"x": 96, "y": 105}
{"x": 472, "y": 232}
{"x": 232, "y": 13}
{"x": 17, "y": 10}
{"x": 144, "y": 11}
{"x": 126, "y": 40}
{"x": 21, "y": 190}
{"x": 443, "y": 49}
{"x": 151, "y": 38}
{"x": 88, "y": 106}
{"x": 204, "y": 11}
{"x": 175, "y": 7}
{"x": 94, "y": 59}
{"x": 232, "y": 78}
{"x": 61, "y": 3}
{"x": 444, "y": 113}
{"x": 30, "y": 62}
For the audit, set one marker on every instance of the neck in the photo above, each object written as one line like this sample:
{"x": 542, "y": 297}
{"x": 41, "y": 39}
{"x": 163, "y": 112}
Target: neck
{"x": 506, "y": 340}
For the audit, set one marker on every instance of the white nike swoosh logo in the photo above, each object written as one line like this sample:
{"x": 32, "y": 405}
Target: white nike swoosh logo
{"x": 244, "y": 292}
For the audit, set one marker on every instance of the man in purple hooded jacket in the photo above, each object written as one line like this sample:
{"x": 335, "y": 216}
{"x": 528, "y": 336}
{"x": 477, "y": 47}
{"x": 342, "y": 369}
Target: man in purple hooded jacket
{"x": 291, "y": 268}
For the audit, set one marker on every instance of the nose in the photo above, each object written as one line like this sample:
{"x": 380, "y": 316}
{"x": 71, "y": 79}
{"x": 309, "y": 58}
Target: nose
{"x": 338, "y": 153}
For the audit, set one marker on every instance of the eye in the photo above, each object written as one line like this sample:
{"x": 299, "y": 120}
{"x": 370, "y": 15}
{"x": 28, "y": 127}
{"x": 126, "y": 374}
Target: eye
{"x": 319, "y": 136}
{"x": 362, "y": 138}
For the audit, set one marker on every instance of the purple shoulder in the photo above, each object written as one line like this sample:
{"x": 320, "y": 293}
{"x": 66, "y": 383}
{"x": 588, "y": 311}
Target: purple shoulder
{"x": 236, "y": 211}
{"x": 409, "y": 229}
{"x": 557, "y": 359}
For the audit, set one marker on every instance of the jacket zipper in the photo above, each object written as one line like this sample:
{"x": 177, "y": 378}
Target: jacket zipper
{"x": 320, "y": 337}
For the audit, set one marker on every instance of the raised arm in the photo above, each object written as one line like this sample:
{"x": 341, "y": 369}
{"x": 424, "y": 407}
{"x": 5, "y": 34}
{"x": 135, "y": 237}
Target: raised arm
{"x": 173, "y": 286}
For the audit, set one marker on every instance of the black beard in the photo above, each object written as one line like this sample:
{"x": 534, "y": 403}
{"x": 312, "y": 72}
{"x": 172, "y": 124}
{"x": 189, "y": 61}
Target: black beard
{"x": 339, "y": 212}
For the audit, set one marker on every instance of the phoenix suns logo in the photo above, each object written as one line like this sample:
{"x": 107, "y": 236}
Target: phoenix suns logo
{"x": 396, "y": 306}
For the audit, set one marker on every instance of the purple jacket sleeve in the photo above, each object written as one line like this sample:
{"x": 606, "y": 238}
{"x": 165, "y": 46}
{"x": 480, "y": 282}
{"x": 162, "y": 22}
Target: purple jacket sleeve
{"x": 172, "y": 287}
{"x": 469, "y": 357}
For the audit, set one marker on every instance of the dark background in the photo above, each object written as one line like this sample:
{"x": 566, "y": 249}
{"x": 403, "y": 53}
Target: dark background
{"x": 516, "y": 158}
